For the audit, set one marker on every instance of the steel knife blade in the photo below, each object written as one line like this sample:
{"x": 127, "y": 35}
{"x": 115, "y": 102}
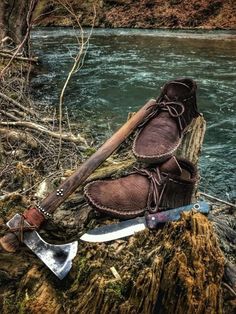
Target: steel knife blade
{"x": 129, "y": 227}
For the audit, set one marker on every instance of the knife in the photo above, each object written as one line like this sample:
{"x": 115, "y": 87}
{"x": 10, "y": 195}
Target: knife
{"x": 129, "y": 227}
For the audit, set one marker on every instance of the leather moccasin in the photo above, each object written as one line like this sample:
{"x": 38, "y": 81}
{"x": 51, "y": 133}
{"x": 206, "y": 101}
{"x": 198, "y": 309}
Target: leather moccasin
{"x": 154, "y": 189}
{"x": 161, "y": 132}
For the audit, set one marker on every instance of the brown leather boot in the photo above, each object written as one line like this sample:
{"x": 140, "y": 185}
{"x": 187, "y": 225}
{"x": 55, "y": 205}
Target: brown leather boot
{"x": 161, "y": 133}
{"x": 155, "y": 189}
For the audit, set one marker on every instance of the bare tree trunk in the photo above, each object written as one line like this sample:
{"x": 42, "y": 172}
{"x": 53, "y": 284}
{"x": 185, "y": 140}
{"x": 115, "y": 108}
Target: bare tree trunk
{"x": 3, "y": 20}
{"x": 13, "y": 22}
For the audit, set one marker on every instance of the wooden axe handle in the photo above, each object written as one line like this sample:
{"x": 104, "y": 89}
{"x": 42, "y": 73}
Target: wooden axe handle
{"x": 10, "y": 241}
{"x": 54, "y": 199}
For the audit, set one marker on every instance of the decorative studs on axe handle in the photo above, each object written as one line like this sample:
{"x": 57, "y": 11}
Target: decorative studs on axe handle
{"x": 23, "y": 227}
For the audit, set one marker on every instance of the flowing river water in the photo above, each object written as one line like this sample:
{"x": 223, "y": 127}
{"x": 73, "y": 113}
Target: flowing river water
{"x": 124, "y": 68}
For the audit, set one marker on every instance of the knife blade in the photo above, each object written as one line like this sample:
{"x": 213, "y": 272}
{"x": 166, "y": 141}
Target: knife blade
{"x": 129, "y": 227}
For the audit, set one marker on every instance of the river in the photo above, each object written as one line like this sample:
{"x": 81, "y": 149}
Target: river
{"x": 124, "y": 68}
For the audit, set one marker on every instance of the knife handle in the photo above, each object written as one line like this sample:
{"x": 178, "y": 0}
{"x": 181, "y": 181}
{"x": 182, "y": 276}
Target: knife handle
{"x": 153, "y": 220}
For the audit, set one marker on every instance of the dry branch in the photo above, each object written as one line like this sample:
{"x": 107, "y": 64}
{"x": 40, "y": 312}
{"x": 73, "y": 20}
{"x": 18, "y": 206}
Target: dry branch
{"x": 31, "y": 125}
{"x": 17, "y": 104}
{"x": 217, "y": 199}
{"x": 14, "y": 136}
{"x": 18, "y": 113}
{"x": 20, "y": 58}
{"x": 78, "y": 61}
{"x": 9, "y": 115}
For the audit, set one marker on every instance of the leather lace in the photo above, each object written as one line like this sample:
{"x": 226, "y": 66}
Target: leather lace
{"x": 21, "y": 228}
{"x": 173, "y": 107}
{"x": 156, "y": 187}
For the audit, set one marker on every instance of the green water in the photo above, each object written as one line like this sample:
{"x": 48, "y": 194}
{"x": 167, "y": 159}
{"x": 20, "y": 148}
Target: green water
{"x": 125, "y": 68}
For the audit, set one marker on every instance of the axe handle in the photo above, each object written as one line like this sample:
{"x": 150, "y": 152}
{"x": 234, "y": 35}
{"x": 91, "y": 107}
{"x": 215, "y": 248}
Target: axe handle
{"x": 54, "y": 199}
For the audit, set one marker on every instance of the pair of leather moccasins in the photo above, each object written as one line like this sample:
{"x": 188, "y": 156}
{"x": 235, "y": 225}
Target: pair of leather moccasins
{"x": 167, "y": 182}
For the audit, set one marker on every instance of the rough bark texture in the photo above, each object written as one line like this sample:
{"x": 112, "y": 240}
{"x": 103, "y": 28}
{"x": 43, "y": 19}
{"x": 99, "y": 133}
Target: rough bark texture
{"x": 176, "y": 269}
{"x": 192, "y": 144}
{"x": 13, "y": 22}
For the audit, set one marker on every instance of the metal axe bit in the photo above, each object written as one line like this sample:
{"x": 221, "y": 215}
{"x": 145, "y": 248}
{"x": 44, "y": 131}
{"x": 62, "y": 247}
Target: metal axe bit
{"x": 59, "y": 257}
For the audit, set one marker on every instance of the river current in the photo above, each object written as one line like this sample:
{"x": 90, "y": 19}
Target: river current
{"x": 124, "y": 68}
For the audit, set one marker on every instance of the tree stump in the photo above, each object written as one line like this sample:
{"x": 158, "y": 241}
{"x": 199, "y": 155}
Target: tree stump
{"x": 176, "y": 269}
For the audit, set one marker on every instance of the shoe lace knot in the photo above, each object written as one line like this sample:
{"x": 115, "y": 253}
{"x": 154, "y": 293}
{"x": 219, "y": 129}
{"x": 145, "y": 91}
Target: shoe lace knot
{"x": 175, "y": 108}
{"x": 156, "y": 188}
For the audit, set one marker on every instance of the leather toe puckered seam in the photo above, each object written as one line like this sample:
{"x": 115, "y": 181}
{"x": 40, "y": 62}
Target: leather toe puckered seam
{"x": 124, "y": 213}
{"x": 160, "y": 190}
{"x": 178, "y": 103}
{"x": 158, "y": 158}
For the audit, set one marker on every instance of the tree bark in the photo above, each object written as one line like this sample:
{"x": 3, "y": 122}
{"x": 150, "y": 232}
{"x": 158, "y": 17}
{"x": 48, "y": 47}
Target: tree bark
{"x": 3, "y": 20}
{"x": 14, "y": 24}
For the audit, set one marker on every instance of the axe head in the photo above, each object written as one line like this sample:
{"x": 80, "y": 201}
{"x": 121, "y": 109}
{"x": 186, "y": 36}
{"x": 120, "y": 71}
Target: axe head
{"x": 58, "y": 258}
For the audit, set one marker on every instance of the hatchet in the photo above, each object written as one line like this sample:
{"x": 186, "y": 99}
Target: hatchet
{"x": 23, "y": 227}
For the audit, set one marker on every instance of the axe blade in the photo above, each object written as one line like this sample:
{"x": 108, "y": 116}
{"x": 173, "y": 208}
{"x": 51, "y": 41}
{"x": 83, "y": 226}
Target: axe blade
{"x": 58, "y": 258}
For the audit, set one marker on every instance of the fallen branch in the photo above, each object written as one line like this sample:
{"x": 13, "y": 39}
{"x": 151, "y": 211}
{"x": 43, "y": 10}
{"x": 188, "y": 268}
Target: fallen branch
{"x": 17, "y": 104}
{"x": 31, "y": 125}
{"x": 229, "y": 288}
{"x": 217, "y": 199}
{"x": 19, "y": 113}
{"x": 9, "y": 115}
{"x": 20, "y": 58}
{"x": 14, "y": 136}
{"x": 2, "y": 182}
{"x": 10, "y": 195}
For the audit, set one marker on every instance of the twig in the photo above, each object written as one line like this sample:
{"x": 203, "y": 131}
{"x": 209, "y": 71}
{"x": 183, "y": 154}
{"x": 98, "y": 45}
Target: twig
{"x": 33, "y": 4}
{"x": 9, "y": 115}
{"x": 17, "y": 104}
{"x": 19, "y": 113}
{"x": 115, "y": 273}
{"x": 229, "y": 288}
{"x": 9, "y": 55}
{"x": 68, "y": 120}
{"x": 37, "y": 18}
{"x": 15, "y": 136}
{"x": 217, "y": 199}
{"x": 79, "y": 59}
{"x": 9, "y": 195}
{"x": 40, "y": 128}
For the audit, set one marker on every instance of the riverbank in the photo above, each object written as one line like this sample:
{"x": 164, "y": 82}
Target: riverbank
{"x": 204, "y": 14}
{"x": 121, "y": 272}
{"x": 146, "y": 262}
